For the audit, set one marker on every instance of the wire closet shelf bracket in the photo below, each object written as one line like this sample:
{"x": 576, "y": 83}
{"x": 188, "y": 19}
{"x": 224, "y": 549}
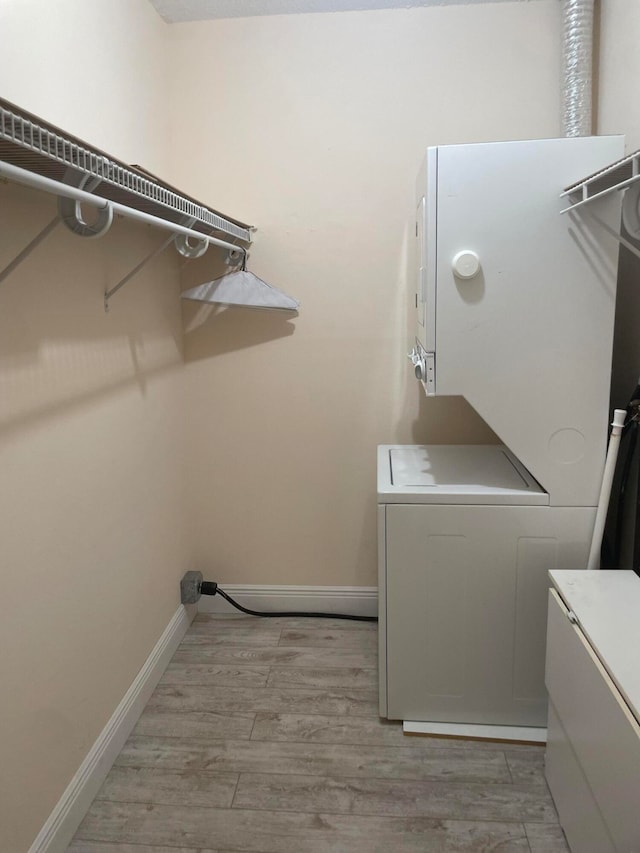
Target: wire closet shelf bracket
{"x": 623, "y": 175}
{"x": 36, "y": 154}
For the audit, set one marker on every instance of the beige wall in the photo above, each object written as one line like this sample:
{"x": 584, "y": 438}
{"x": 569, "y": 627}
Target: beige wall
{"x": 313, "y": 128}
{"x": 94, "y": 68}
{"x": 619, "y": 70}
{"x": 91, "y": 501}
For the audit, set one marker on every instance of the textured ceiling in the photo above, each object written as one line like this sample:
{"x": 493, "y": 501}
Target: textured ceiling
{"x": 174, "y": 11}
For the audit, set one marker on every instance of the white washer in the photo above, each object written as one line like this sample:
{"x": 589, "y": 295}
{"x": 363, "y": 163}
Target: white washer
{"x": 466, "y": 538}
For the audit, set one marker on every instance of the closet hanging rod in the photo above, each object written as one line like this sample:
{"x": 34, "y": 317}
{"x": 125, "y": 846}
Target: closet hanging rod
{"x": 40, "y": 182}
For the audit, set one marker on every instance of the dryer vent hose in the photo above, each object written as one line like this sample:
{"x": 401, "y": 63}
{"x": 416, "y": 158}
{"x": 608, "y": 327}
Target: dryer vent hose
{"x": 577, "y": 49}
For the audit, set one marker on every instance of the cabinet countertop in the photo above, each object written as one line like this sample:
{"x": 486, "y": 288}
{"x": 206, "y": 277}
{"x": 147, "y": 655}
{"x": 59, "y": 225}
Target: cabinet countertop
{"x": 607, "y": 607}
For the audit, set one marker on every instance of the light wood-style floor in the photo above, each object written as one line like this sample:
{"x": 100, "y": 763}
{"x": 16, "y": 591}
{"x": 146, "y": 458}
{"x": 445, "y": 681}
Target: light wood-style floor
{"x": 263, "y": 735}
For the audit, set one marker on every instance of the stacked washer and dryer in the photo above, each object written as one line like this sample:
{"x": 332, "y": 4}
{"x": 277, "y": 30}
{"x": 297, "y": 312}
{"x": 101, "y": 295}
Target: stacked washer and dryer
{"x": 515, "y": 312}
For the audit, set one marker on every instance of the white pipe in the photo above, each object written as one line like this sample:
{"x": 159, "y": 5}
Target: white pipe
{"x": 577, "y": 50}
{"x": 39, "y": 182}
{"x": 605, "y": 491}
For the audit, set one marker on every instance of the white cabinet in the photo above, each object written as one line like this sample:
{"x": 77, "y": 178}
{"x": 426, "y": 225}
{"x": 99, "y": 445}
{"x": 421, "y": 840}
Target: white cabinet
{"x": 593, "y": 679}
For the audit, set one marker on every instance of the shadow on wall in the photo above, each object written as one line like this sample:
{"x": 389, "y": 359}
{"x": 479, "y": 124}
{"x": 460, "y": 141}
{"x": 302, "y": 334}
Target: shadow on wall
{"x": 212, "y": 330}
{"x": 58, "y": 347}
{"x": 626, "y": 341}
{"x": 449, "y": 420}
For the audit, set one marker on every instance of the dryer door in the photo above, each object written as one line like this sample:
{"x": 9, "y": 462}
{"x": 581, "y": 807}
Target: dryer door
{"x": 426, "y": 263}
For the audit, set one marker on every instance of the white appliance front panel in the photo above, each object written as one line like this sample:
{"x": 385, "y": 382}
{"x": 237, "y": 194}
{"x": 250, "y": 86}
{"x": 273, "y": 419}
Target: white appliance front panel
{"x": 465, "y": 608}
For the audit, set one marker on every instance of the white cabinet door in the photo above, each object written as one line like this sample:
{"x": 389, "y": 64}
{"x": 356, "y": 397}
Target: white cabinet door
{"x": 580, "y": 816}
{"x": 603, "y": 733}
{"x": 466, "y": 603}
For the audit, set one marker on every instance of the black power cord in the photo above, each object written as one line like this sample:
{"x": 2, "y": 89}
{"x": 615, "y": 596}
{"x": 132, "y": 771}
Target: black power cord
{"x": 211, "y": 588}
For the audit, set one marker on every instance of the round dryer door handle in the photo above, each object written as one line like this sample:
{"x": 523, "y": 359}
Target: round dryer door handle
{"x": 465, "y": 264}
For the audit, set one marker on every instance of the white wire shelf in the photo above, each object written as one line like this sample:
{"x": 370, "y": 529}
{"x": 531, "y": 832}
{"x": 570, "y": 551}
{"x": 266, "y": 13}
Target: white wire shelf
{"x": 618, "y": 176}
{"x": 28, "y": 142}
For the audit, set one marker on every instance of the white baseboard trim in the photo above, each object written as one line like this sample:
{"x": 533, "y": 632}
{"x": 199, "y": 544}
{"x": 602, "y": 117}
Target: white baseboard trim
{"x": 357, "y": 600}
{"x": 517, "y": 734}
{"x": 56, "y": 834}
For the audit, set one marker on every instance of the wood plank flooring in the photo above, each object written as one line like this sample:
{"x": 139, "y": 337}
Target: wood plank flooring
{"x": 263, "y": 736}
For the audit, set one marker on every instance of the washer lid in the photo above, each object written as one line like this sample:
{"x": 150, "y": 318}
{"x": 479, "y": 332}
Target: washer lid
{"x": 444, "y": 473}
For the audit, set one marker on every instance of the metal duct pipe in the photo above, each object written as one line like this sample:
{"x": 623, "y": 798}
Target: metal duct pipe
{"x": 577, "y": 51}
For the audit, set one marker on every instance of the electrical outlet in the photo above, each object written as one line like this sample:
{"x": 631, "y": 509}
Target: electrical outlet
{"x": 190, "y": 587}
